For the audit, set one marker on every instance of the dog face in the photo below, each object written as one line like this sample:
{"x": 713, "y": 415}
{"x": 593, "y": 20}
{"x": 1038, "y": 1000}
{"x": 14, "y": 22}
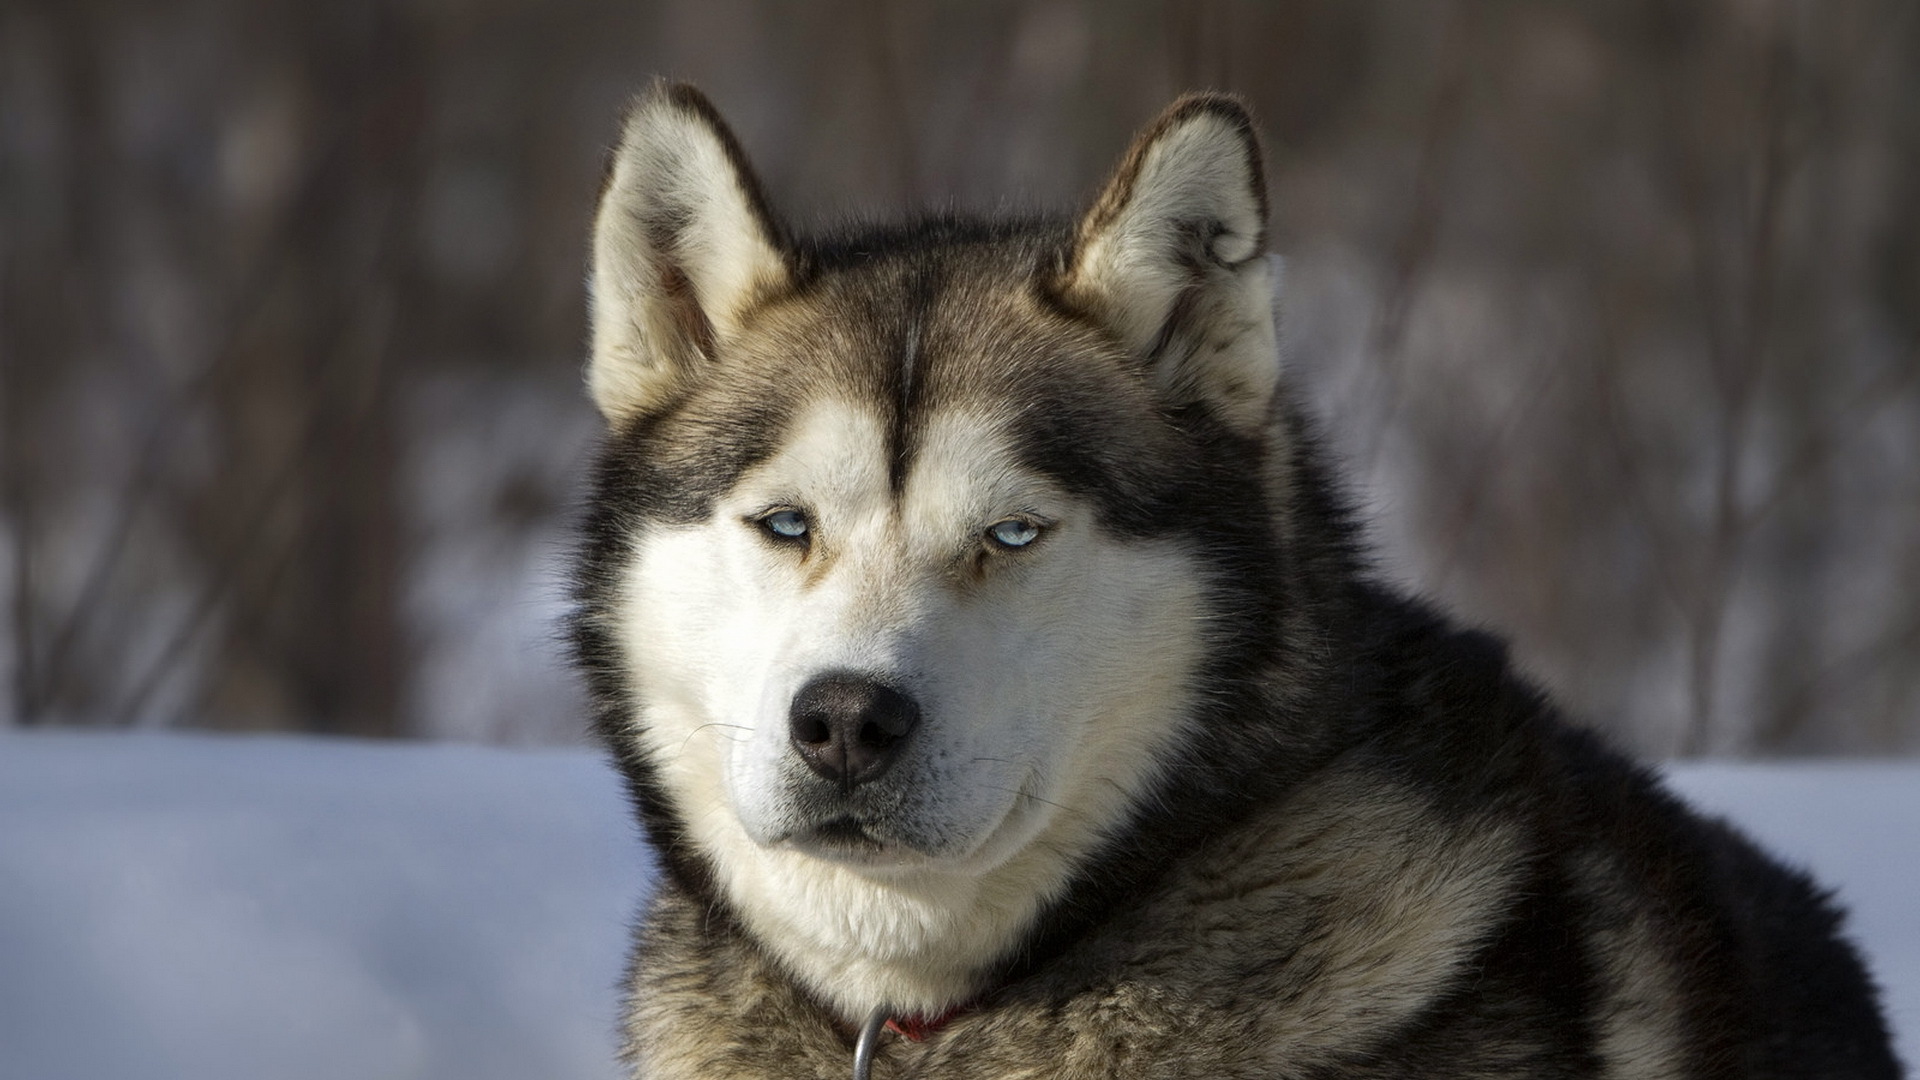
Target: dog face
{"x": 909, "y": 553}
{"x": 901, "y": 648}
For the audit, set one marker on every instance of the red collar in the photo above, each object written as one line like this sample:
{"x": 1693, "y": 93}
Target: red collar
{"x": 913, "y": 1028}
{"x": 917, "y": 1028}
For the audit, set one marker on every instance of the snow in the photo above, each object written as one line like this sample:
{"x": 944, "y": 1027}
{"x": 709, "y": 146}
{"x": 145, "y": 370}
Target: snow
{"x": 261, "y": 907}
{"x": 230, "y": 908}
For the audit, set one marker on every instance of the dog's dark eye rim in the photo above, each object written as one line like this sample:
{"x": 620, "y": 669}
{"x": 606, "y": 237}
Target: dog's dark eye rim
{"x": 784, "y": 524}
{"x": 1018, "y": 523}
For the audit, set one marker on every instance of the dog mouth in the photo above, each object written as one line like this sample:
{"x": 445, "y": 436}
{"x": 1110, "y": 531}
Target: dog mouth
{"x": 839, "y": 834}
{"x": 846, "y": 839}
{"x": 844, "y": 831}
{"x": 883, "y": 828}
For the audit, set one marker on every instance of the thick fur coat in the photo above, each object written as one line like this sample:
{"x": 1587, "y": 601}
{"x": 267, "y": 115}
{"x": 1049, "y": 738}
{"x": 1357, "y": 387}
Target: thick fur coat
{"x": 986, "y": 647}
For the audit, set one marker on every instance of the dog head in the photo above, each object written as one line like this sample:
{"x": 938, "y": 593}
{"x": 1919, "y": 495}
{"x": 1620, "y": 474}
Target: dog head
{"x": 918, "y": 553}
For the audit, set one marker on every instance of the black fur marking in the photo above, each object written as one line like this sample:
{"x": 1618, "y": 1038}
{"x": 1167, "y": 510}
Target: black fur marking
{"x": 921, "y": 287}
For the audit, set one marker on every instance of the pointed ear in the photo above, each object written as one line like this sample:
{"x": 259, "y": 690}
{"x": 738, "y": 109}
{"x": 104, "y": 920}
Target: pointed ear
{"x": 1169, "y": 260}
{"x": 683, "y": 244}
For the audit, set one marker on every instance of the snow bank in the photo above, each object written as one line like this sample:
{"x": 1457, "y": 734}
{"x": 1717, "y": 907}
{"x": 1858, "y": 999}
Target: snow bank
{"x": 237, "y": 908}
{"x": 208, "y": 908}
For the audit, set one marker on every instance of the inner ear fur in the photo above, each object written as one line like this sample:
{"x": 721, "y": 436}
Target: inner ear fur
{"x": 1169, "y": 259}
{"x": 683, "y": 246}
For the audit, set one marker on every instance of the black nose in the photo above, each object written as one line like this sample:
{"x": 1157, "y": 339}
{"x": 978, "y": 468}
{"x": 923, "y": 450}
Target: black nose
{"x": 849, "y": 728}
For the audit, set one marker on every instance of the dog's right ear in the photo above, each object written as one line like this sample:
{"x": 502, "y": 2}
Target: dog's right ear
{"x": 1168, "y": 259}
{"x": 683, "y": 244}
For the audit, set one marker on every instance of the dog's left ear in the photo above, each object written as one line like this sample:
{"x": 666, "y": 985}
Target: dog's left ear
{"x": 1169, "y": 260}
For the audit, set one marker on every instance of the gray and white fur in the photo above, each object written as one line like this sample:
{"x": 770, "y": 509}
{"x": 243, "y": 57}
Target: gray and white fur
{"x": 981, "y": 636}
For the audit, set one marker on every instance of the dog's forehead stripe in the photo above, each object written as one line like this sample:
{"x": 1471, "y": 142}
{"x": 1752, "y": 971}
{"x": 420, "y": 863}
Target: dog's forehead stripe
{"x": 920, "y": 288}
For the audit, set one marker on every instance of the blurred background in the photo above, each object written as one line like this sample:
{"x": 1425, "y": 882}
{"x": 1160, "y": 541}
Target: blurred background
{"x": 1611, "y": 310}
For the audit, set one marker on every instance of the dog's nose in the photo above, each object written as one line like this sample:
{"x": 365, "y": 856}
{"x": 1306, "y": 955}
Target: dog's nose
{"x": 849, "y": 728}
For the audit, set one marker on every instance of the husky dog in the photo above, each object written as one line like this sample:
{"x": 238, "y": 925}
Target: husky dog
{"x": 999, "y": 679}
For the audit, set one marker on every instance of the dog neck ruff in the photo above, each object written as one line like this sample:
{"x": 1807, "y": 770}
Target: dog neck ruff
{"x": 914, "y": 1028}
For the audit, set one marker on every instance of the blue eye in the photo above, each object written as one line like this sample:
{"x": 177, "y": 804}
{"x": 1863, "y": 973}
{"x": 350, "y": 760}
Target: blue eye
{"x": 1013, "y": 533}
{"x": 786, "y": 524}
